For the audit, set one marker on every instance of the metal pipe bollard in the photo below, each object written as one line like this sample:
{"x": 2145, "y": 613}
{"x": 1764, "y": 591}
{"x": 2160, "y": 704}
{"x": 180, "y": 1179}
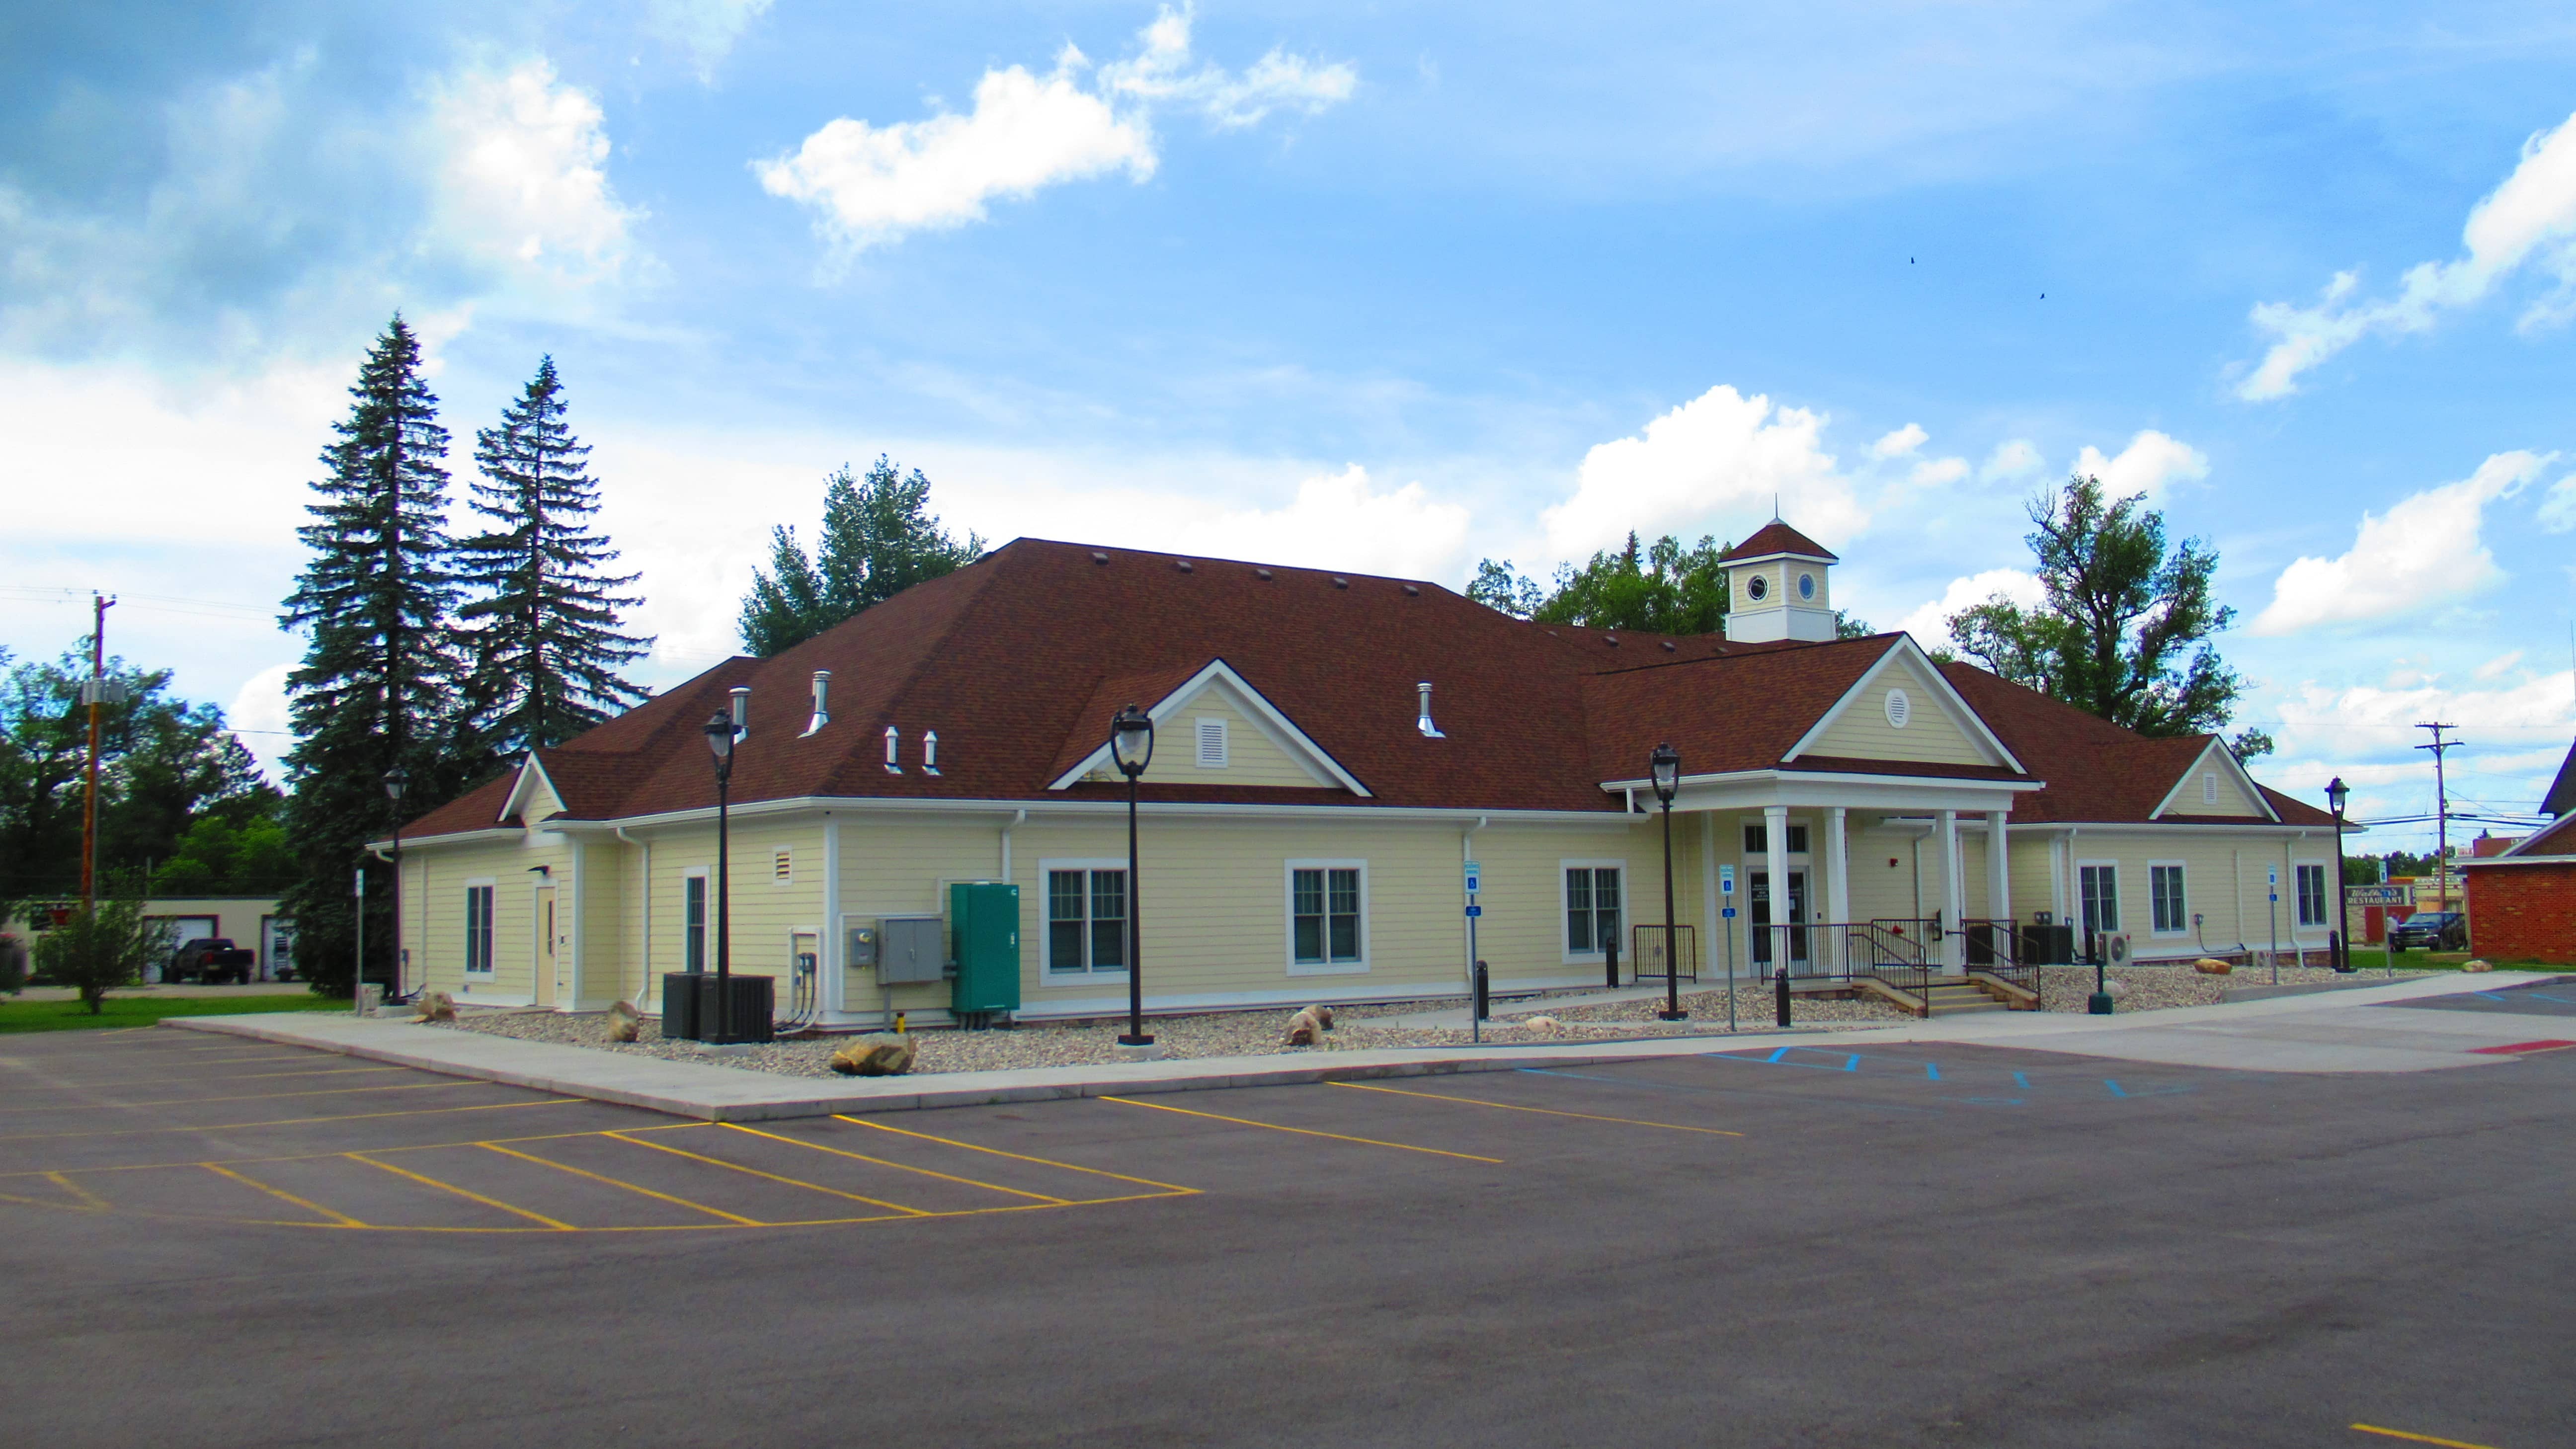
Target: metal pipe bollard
{"x": 1483, "y": 992}
{"x": 1780, "y": 994}
{"x": 1610, "y": 958}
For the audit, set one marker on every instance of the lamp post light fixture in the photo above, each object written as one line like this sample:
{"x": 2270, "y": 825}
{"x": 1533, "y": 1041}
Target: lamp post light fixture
{"x": 397, "y": 780}
{"x": 720, "y": 741}
{"x": 1666, "y": 763}
{"x": 1131, "y": 745}
{"x": 2337, "y": 793}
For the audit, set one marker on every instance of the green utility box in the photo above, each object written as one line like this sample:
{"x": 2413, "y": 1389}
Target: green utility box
{"x": 984, "y": 924}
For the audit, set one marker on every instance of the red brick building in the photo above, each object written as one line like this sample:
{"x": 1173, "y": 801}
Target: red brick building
{"x": 2522, "y": 904}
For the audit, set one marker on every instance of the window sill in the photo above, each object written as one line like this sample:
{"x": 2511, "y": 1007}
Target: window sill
{"x": 1083, "y": 978}
{"x": 1337, "y": 968}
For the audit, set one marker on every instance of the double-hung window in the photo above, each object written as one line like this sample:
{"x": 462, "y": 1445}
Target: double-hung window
{"x": 2165, "y": 896}
{"x": 2097, "y": 889}
{"x": 478, "y": 930}
{"x": 693, "y": 922}
{"x": 1592, "y": 906}
{"x": 1327, "y": 915}
{"x": 1086, "y": 919}
{"x": 2312, "y": 895}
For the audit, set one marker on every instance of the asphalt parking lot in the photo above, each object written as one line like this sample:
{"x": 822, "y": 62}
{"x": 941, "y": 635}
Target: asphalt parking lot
{"x": 2532, "y": 998}
{"x": 222, "y": 1242}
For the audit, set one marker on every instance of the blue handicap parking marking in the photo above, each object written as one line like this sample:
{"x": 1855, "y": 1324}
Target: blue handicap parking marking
{"x": 2022, "y": 1080}
{"x": 1779, "y": 1058}
{"x": 1931, "y": 1072}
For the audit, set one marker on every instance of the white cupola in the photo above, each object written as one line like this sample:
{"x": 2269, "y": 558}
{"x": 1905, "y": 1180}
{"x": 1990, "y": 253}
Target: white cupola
{"x": 1778, "y": 587}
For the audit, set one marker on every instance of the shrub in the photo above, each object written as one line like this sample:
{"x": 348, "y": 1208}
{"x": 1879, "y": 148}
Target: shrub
{"x": 99, "y": 949}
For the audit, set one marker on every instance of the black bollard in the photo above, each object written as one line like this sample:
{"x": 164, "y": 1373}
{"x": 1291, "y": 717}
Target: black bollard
{"x": 1610, "y": 959}
{"x": 1482, "y": 993}
{"x": 1780, "y": 992}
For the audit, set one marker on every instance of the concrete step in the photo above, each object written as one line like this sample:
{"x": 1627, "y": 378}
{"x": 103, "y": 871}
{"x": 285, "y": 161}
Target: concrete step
{"x": 1959, "y": 1008}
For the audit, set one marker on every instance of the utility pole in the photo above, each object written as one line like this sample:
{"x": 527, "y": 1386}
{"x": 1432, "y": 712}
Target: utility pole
{"x": 95, "y": 693}
{"x": 2441, "y": 817}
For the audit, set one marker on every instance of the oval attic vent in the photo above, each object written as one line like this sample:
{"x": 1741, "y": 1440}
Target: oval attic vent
{"x": 1899, "y": 708}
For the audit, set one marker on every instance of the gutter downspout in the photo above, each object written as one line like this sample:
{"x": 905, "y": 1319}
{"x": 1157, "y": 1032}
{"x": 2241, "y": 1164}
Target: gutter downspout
{"x": 831, "y": 991}
{"x": 1018, "y": 819}
{"x": 644, "y": 909}
{"x": 1467, "y": 852}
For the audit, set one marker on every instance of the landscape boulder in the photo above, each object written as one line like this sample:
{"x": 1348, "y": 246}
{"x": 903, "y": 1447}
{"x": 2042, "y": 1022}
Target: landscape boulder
{"x": 875, "y": 1056}
{"x": 625, "y": 1023}
{"x": 1543, "y": 1023}
{"x": 2211, "y": 966}
{"x": 2477, "y": 966}
{"x": 1307, "y": 1027}
{"x": 435, "y": 1006}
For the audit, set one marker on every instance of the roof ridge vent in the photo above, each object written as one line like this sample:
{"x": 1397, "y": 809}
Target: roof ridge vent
{"x": 1261, "y": 573}
{"x": 1098, "y": 557}
{"x": 1340, "y": 583}
{"x": 1422, "y": 721}
{"x": 1413, "y": 591}
{"x": 1183, "y": 565}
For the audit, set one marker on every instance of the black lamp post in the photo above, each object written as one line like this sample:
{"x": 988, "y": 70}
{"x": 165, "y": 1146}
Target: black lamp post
{"x": 2336, "y": 794}
{"x": 397, "y": 780}
{"x": 1131, "y": 744}
{"x": 720, "y": 740}
{"x": 1666, "y": 762}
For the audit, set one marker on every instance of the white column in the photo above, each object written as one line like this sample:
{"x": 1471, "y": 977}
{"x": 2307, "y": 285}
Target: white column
{"x": 1837, "y": 879}
{"x": 1711, "y": 948}
{"x": 568, "y": 995}
{"x": 1775, "y": 861}
{"x": 1954, "y": 902}
{"x": 1998, "y": 865}
{"x": 835, "y": 981}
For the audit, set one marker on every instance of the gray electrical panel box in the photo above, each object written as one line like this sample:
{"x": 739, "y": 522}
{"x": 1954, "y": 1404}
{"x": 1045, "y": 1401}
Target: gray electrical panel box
{"x": 911, "y": 949}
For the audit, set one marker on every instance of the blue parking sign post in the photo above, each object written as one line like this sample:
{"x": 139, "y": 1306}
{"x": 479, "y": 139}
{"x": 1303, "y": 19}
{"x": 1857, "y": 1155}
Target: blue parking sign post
{"x": 1726, "y": 928}
{"x": 1475, "y": 968}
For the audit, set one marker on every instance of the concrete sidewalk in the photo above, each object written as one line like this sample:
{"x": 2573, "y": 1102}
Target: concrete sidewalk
{"x": 2335, "y": 1032}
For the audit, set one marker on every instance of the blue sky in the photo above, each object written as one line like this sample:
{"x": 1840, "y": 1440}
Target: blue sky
{"x": 1388, "y": 287}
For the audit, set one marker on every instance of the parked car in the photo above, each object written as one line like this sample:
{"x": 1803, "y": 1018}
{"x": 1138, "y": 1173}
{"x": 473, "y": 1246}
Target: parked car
{"x": 211, "y": 959}
{"x": 2432, "y": 930}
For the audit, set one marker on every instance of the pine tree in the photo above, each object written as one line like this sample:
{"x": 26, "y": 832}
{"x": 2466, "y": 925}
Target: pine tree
{"x": 545, "y": 641}
{"x": 878, "y": 540}
{"x": 378, "y": 687}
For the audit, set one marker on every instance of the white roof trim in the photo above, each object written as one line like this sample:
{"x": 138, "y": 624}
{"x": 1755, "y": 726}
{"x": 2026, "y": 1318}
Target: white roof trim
{"x": 2235, "y": 767}
{"x": 532, "y": 773}
{"x": 1264, "y": 713}
{"x": 1904, "y": 646}
{"x": 1754, "y": 558}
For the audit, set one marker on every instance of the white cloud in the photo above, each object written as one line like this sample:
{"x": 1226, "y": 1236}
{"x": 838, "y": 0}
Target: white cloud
{"x": 2423, "y": 551}
{"x": 1929, "y": 623}
{"x": 2367, "y": 720}
{"x": 1935, "y": 472}
{"x": 2150, "y": 463}
{"x": 522, "y": 181}
{"x": 2530, "y": 218}
{"x": 706, "y": 29}
{"x": 2498, "y": 665}
{"x": 2013, "y": 458}
{"x": 2558, "y": 508}
{"x": 1721, "y": 453}
{"x": 872, "y": 184}
{"x": 258, "y": 714}
{"x": 1901, "y": 442}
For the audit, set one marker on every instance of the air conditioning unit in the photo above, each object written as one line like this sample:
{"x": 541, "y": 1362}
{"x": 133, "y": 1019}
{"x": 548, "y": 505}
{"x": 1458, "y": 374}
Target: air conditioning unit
{"x": 2116, "y": 948}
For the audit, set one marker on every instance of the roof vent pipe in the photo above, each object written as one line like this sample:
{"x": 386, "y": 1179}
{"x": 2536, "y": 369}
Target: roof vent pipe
{"x": 930, "y": 752}
{"x": 822, "y": 701}
{"x": 742, "y": 712}
{"x": 1429, "y": 730}
{"x": 894, "y": 742}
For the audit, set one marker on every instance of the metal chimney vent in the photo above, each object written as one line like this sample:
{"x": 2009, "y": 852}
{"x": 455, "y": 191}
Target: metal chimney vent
{"x": 741, "y": 712}
{"x": 1423, "y": 723}
{"x": 822, "y": 702}
{"x": 894, "y": 743}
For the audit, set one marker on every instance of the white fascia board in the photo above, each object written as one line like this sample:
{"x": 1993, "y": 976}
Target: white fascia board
{"x": 1752, "y": 789}
{"x": 1755, "y": 558}
{"x": 1168, "y": 809}
{"x": 2235, "y": 767}
{"x": 485, "y": 836}
{"x": 1905, "y": 647}
{"x": 532, "y": 773}
{"x": 1284, "y": 731}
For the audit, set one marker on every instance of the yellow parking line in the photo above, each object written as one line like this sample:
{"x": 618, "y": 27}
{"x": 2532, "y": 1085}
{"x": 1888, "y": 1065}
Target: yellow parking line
{"x": 471, "y": 1196}
{"x": 1543, "y": 1111}
{"x": 281, "y": 1194}
{"x": 1302, "y": 1131}
{"x": 630, "y": 1187}
{"x": 2420, "y": 1438}
{"x": 1016, "y": 1156}
{"x": 88, "y": 1199}
{"x": 255, "y": 1096}
{"x": 756, "y": 1172}
{"x": 294, "y": 1121}
{"x": 899, "y": 1167}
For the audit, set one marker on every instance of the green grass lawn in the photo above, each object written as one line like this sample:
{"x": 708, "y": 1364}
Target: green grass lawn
{"x": 2363, "y": 957}
{"x": 144, "y": 1010}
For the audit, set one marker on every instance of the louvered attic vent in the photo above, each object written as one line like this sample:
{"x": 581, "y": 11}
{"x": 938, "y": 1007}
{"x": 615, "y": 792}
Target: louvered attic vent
{"x": 1212, "y": 744}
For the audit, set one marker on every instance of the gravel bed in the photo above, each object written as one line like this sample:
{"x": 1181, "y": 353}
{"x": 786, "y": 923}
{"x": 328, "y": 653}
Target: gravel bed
{"x": 2157, "y": 988}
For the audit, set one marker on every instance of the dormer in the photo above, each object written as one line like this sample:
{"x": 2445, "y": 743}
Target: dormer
{"x": 1778, "y": 585}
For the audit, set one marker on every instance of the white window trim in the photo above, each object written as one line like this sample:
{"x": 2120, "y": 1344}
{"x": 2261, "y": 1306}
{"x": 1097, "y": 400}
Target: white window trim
{"x": 2152, "y": 867}
{"x": 1288, "y": 918}
{"x": 1566, "y": 955}
{"x": 1047, "y": 974}
{"x": 2119, "y": 899}
{"x": 1796, "y": 857}
{"x": 2322, "y": 863}
{"x": 1224, "y": 742}
{"x": 707, "y": 947}
{"x": 492, "y": 952}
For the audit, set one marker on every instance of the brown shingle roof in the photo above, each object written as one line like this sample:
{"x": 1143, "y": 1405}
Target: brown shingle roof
{"x": 1777, "y": 537}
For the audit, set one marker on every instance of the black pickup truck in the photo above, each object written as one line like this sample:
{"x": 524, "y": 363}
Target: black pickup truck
{"x": 211, "y": 959}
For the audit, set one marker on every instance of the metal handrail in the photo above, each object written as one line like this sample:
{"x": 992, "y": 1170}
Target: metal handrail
{"x": 1647, "y": 944}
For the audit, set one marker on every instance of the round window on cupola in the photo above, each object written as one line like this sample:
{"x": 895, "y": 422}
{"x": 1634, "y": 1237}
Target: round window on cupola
{"x": 1806, "y": 586}
{"x": 1759, "y": 587}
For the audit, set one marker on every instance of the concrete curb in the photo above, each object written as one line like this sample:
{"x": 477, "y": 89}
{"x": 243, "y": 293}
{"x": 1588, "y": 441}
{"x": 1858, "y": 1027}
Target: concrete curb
{"x": 727, "y": 1094}
{"x": 2303, "y": 988}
